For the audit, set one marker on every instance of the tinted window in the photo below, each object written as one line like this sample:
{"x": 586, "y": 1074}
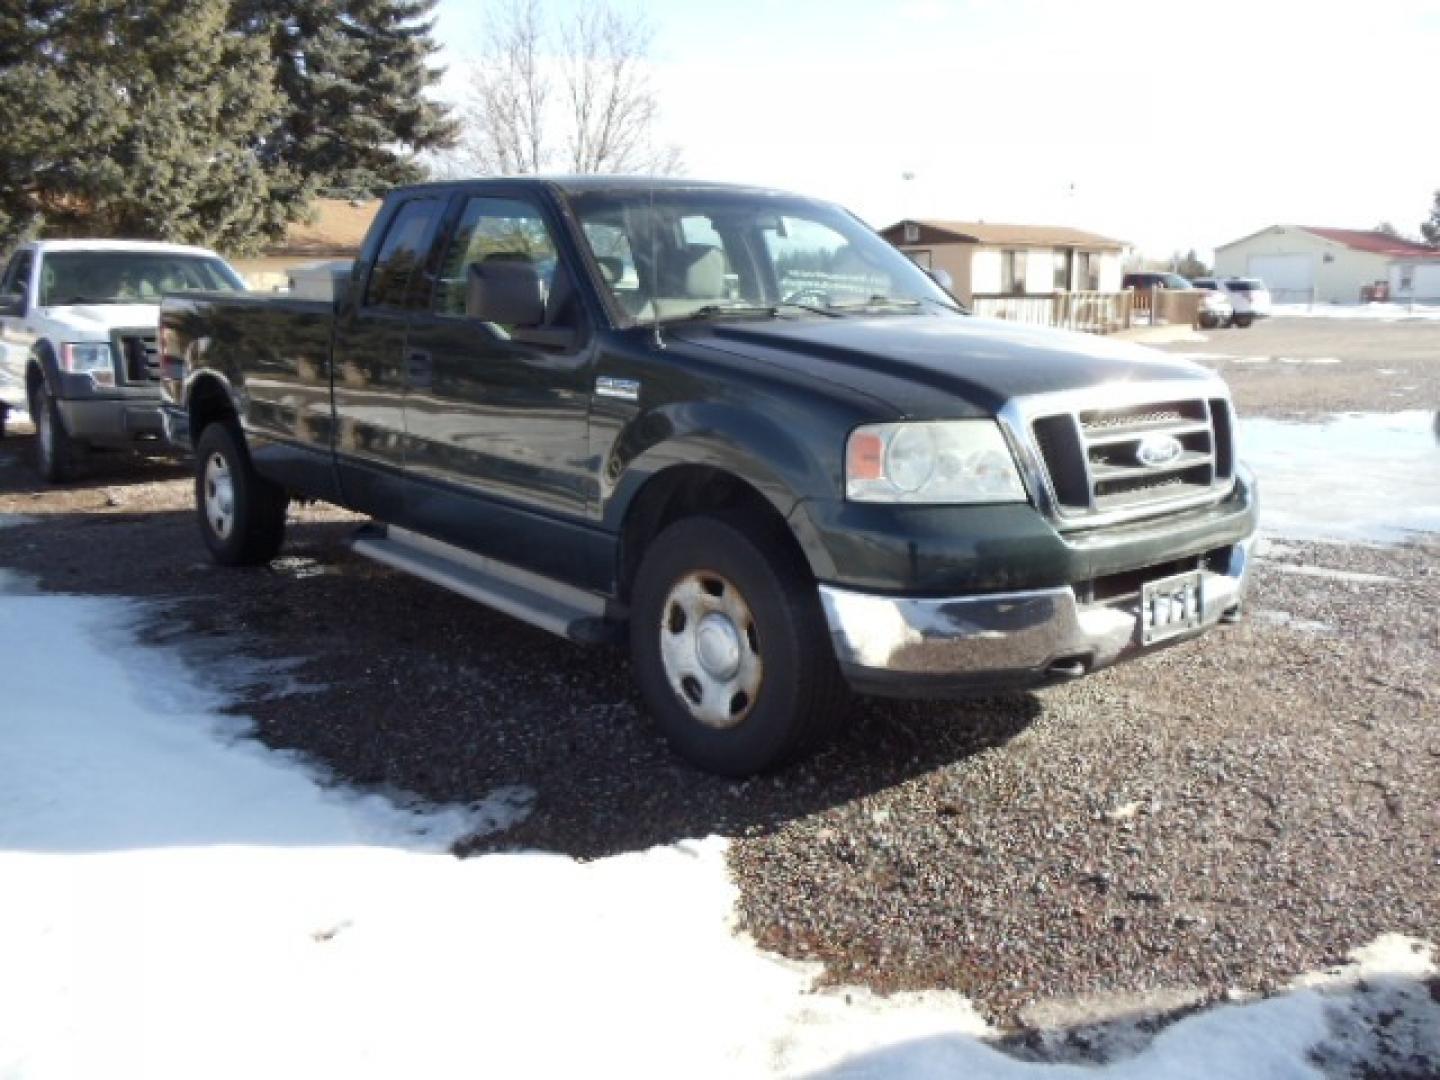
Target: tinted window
{"x": 128, "y": 277}
{"x": 1243, "y": 286}
{"x": 17, "y": 274}
{"x": 493, "y": 229}
{"x": 406, "y": 244}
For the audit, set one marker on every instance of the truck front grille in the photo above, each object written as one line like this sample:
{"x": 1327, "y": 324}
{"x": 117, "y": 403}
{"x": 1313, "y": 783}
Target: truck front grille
{"x": 139, "y": 356}
{"x": 1132, "y": 460}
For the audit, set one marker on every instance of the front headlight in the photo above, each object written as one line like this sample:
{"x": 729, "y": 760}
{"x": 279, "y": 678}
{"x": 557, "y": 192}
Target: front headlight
{"x": 941, "y": 461}
{"x": 93, "y": 358}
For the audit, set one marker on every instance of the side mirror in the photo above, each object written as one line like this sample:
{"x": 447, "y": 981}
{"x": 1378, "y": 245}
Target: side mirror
{"x": 942, "y": 278}
{"x": 505, "y": 291}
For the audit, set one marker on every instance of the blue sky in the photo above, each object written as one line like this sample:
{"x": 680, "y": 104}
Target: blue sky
{"x": 1170, "y": 125}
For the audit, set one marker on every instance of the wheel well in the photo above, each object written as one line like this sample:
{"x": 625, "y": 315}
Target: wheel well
{"x": 35, "y": 375}
{"x": 685, "y": 490}
{"x": 208, "y": 403}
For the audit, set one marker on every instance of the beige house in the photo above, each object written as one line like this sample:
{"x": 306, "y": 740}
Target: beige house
{"x": 985, "y": 258}
{"x": 1303, "y": 263}
{"x": 335, "y": 231}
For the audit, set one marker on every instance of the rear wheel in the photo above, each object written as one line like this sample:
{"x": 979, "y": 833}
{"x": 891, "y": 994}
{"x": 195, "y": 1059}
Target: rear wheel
{"x": 730, "y": 647}
{"x": 242, "y": 515}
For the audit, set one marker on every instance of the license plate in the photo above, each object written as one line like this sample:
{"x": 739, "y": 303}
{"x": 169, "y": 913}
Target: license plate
{"x": 1169, "y": 606}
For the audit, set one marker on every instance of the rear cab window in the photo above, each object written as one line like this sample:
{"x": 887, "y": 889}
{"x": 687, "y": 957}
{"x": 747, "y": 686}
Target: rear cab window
{"x": 402, "y": 252}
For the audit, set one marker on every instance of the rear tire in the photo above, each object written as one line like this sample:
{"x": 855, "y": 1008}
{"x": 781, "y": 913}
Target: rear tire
{"x": 55, "y": 450}
{"x": 730, "y": 648}
{"x": 242, "y": 514}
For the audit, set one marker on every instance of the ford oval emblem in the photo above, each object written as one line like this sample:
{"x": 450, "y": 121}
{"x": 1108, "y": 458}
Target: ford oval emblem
{"x": 1157, "y": 450}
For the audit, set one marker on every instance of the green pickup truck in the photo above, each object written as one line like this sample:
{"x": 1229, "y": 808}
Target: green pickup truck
{"x": 731, "y": 427}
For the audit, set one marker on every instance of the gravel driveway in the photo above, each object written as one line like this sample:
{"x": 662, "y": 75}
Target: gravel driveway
{"x": 1213, "y": 819}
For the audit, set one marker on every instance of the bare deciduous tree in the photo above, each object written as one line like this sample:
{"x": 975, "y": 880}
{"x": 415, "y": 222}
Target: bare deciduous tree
{"x": 578, "y": 96}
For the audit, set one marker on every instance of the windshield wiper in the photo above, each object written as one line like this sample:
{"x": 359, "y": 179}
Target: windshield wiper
{"x": 814, "y": 309}
{"x": 711, "y": 310}
{"x": 877, "y": 301}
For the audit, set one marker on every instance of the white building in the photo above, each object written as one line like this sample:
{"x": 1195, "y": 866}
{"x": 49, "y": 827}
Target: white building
{"x": 1301, "y": 263}
{"x": 1416, "y": 278}
{"x": 985, "y": 258}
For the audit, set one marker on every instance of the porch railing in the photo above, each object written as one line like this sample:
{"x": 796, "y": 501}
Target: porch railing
{"x": 1093, "y": 312}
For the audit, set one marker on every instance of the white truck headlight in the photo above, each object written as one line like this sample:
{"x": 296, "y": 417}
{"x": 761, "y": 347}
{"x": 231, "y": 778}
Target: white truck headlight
{"x": 940, "y": 461}
{"x": 93, "y": 358}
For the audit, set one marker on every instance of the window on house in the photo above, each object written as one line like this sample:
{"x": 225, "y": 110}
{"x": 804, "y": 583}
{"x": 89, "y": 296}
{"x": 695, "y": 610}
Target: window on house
{"x": 1062, "y": 271}
{"x": 921, "y": 258}
{"x": 1012, "y": 272}
{"x": 1087, "y": 270}
{"x": 1407, "y": 279}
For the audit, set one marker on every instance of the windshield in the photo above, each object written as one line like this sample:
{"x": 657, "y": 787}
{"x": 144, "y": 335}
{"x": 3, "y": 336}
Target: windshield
{"x": 714, "y": 254}
{"x": 128, "y": 277}
{"x": 1175, "y": 281}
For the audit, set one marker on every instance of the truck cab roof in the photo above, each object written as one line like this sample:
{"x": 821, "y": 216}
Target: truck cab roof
{"x": 156, "y": 246}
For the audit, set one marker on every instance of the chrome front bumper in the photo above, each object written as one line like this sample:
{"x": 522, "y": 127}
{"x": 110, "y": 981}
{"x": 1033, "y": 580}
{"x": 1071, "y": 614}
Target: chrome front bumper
{"x": 922, "y": 646}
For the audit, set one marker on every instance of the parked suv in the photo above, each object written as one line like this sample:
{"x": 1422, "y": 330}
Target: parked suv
{"x": 733, "y": 427}
{"x": 77, "y": 339}
{"x": 1215, "y": 307}
{"x": 1249, "y": 297}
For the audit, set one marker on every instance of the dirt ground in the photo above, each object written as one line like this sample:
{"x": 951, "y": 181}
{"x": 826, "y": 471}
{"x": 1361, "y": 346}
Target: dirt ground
{"x": 1210, "y": 820}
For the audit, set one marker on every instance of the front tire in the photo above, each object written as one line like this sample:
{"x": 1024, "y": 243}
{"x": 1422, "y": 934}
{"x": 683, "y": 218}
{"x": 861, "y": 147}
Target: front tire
{"x": 730, "y": 648}
{"x": 55, "y": 450}
{"x": 1244, "y": 321}
{"x": 242, "y": 515}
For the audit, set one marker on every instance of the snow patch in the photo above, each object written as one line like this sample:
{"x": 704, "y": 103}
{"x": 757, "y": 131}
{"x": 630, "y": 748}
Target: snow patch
{"x": 179, "y": 901}
{"x": 1380, "y": 474}
{"x": 1387, "y": 312}
{"x": 1353, "y": 576}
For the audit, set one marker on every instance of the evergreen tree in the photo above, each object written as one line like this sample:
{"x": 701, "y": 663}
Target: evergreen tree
{"x": 138, "y": 120}
{"x": 1431, "y": 227}
{"x": 354, "y": 75}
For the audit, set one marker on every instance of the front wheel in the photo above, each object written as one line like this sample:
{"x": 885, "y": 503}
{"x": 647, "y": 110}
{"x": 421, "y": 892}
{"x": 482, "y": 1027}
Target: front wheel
{"x": 55, "y": 450}
{"x": 242, "y": 515}
{"x": 1243, "y": 321}
{"x": 730, "y": 647}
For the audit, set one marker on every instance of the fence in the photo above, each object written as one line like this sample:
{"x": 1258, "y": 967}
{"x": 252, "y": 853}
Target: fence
{"x": 1178, "y": 306}
{"x": 1094, "y": 312}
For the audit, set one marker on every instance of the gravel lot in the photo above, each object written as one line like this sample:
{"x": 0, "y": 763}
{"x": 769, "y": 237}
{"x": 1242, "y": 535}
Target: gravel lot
{"x": 1213, "y": 819}
{"x": 1294, "y": 368}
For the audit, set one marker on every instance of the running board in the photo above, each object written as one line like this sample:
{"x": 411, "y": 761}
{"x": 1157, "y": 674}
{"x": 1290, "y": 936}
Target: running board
{"x": 540, "y": 601}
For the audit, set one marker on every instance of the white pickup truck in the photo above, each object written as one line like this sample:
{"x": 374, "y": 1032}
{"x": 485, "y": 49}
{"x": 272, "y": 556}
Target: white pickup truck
{"x": 77, "y": 339}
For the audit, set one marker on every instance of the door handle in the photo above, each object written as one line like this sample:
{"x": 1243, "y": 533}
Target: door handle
{"x": 419, "y": 368}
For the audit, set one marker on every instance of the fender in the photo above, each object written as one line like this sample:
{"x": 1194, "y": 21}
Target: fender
{"x": 42, "y": 359}
{"x": 754, "y": 447}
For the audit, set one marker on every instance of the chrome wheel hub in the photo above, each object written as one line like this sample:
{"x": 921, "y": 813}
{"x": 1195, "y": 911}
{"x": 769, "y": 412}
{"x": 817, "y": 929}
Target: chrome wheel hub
{"x": 710, "y": 649}
{"x": 219, "y": 496}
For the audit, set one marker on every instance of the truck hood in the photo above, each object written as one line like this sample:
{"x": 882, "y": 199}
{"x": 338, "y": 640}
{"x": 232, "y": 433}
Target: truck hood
{"x": 97, "y": 320}
{"x": 933, "y": 367}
